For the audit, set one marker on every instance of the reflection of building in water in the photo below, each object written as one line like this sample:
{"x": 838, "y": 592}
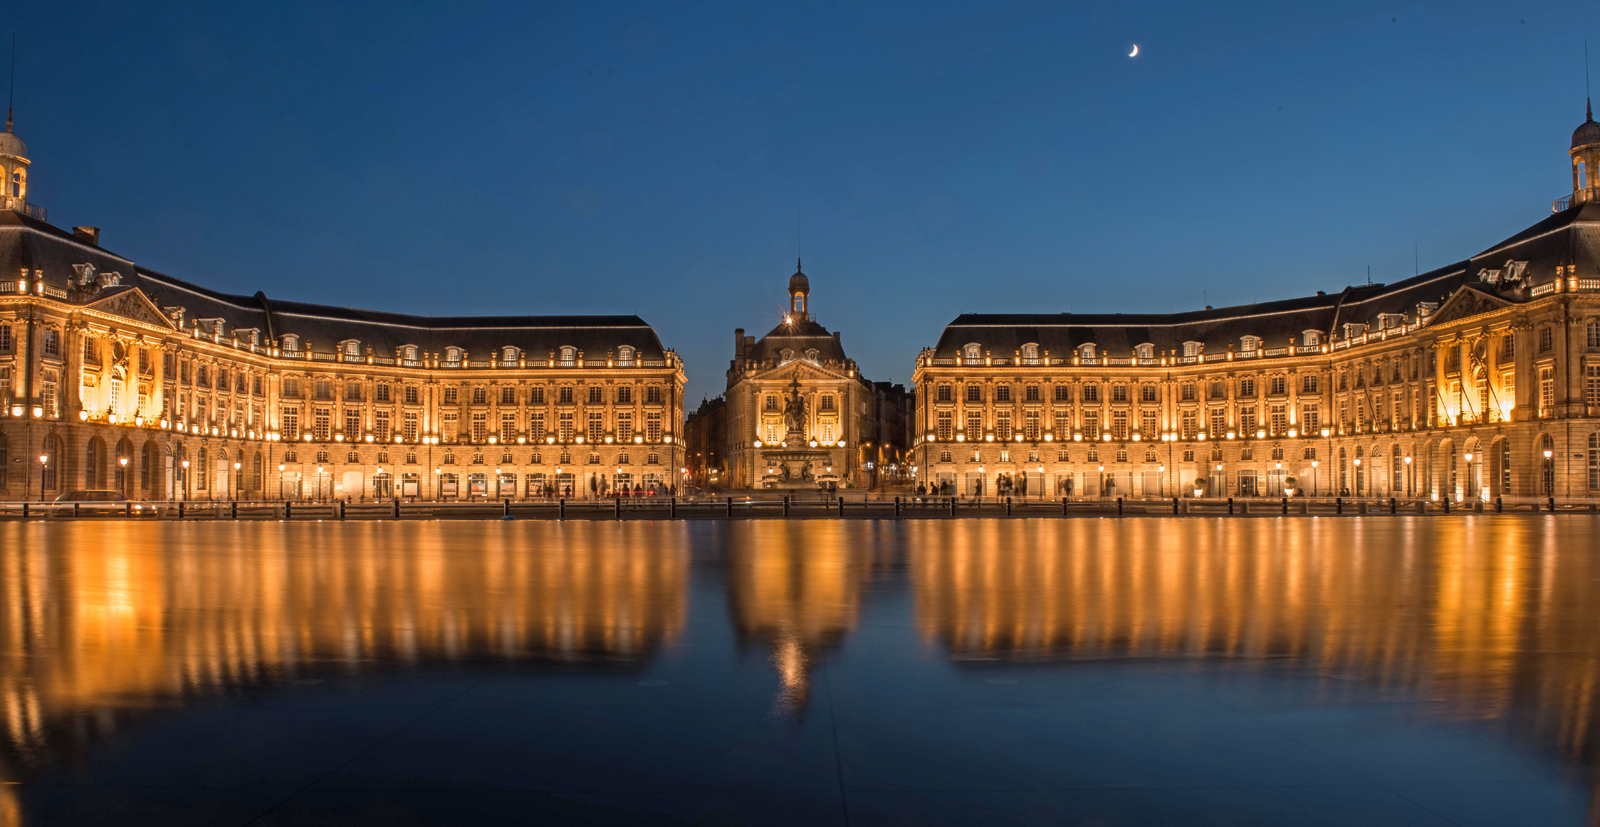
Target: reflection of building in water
{"x": 1494, "y": 617}
{"x": 796, "y": 586}
{"x": 98, "y": 613}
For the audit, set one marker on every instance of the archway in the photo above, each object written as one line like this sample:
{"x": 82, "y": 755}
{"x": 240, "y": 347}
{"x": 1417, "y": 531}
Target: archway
{"x": 120, "y": 469}
{"x": 1446, "y": 475}
{"x": 1547, "y": 466}
{"x": 1472, "y": 479}
{"x": 94, "y": 464}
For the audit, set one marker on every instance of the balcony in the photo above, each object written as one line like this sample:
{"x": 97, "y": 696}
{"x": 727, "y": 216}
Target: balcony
{"x": 1578, "y": 196}
{"x": 27, "y": 209}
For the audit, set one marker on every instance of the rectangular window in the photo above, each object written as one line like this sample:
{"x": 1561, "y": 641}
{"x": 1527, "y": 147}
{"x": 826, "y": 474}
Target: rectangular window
{"x": 1186, "y": 392}
{"x": 452, "y": 395}
{"x": 1277, "y": 385}
{"x": 52, "y": 342}
{"x": 380, "y": 426}
{"x": 564, "y": 395}
{"x": 1546, "y": 340}
{"x": 1219, "y": 423}
{"x": 826, "y": 431}
{"x": 652, "y": 427}
{"x": 1030, "y": 393}
{"x": 974, "y": 393}
{"x": 1547, "y": 391}
{"x": 1002, "y": 425}
{"x": 1091, "y": 392}
{"x": 624, "y": 394}
{"x": 945, "y": 431}
{"x": 1147, "y": 424}
{"x": 380, "y": 393}
{"x": 5, "y": 338}
{"x": 1247, "y": 421}
{"x": 321, "y": 424}
{"x": 1280, "y": 420}
{"x": 942, "y": 394}
{"x": 480, "y": 427}
{"x": 508, "y": 428}
{"x": 825, "y": 403}
{"x": 508, "y": 395}
{"x": 480, "y": 395}
{"x": 1119, "y": 425}
{"x": 564, "y": 428}
{"x": 1591, "y": 386}
{"x": 1190, "y": 424}
{"x": 1147, "y": 392}
{"x": 1091, "y": 424}
{"x": 624, "y": 426}
{"x": 536, "y": 426}
{"x": 449, "y": 427}
{"x": 652, "y": 395}
{"x": 597, "y": 427}
{"x": 1002, "y": 393}
{"x": 1063, "y": 425}
{"x": 1310, "y": 421}
{"x": 352, "y": 423}
{"x": 409, "y": 426}
{"x": 290, "y": 417}
{"x": 1062, "y": 393}
{"x": 1119, "y": 392}
{"x": 974, "y": 430}
{"x": 1030, "y": 424}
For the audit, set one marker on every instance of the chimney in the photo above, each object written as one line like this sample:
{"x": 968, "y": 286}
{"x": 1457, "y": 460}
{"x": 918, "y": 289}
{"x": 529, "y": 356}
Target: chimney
{"x": 89, "y": 234}
{"x": 738, "y": 341}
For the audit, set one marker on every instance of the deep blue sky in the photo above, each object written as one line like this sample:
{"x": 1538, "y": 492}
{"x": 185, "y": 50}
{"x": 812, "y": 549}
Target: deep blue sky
{"x": 947, "y": 158}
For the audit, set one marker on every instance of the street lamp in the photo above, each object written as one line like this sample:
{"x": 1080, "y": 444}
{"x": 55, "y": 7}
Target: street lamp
{"x": 1468, "y": 488}
{"x": 1358, "y": 476}
{"x": 1315, "y": 490}
{"x": 44, "y": 465}
{"x": 186, "y": 480}
{"x": 238, "y": 482}
{"x": 123, "y": 461}
{"x": 1410, "y": 487}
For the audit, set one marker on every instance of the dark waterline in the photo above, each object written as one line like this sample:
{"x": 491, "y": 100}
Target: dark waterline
{"x": 1158, "y": 671}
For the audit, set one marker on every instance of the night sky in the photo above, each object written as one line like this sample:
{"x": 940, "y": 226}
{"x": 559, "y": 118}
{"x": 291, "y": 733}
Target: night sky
{"x": 945, "y": 157}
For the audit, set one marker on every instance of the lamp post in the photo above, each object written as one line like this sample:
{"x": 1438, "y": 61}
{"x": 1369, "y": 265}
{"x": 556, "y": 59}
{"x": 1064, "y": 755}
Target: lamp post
{"x": 44, "y": 466}
{"x": 1549, "y": 474}
{"x": 1358, "y": 476}
{"x": 1410, "y": 481}
{"x": 123, "y": 461}
{"x": 185, "y": 480}
{"x": 1468, "y": 489}
{"x": 280, "y": 480}
{"x": 1316, "y": 491}
{"x": 238, "y": 480}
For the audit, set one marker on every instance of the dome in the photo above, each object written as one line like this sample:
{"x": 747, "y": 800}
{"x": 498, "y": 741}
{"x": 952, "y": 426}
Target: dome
{"x": 10, "y": 144}
{"x": 1587, "y": 132}
{"x": 798, "y": 283}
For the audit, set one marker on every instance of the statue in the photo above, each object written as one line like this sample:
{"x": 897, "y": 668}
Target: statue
{"x": 806, "y": 475}
{"x": 794, "y": 410}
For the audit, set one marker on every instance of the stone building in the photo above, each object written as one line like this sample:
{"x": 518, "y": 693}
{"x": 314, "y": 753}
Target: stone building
{"x": 705, "y": 439}
{"x": 799, "y": 414}
{"x": 1477, "y": 380}
{"x": 114, "y": 376}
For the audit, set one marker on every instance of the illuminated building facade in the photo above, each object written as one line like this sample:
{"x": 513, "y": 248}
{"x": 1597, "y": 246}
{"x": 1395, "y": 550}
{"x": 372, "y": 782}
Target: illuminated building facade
{"x": 1476, "y": 380}
{"x": 798, "y": 413}
{"x": 113, "y": 376}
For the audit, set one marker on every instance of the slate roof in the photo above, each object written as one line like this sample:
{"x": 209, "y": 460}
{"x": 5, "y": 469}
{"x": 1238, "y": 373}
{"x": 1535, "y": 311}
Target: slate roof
{"x": 1569, "y": 237}
{"x": 37, "y": 245}
{"x": 798, "y": 337}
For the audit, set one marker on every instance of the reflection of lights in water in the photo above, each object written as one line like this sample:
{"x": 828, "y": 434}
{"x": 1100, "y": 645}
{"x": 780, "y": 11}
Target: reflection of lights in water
{"x": 794, "y": 677}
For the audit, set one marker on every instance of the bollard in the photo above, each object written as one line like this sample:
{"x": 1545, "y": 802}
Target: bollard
{"x": 616, "y": 509}
{"x": 1119, "y": 506}
{"x": 1286, "y": 505}
{"x": 841, "y": 505}
{"x": 75, "y": 509}
{"x": 1446, "y": 502}
{"x": 127, "y": 510}
{"x": 505, "y": 507}
{"x": 897, "y": 506}
{"x": 672, "y": 507}
{"x": 561, "y": 508}
{"x": 730, "y": 508}
{"x": 24, "y": 509}
{"x": 286, "y": 506}
{"x": 1394, "y": 507}
{"x": 1499, "y": 504}
{"x": 1552, "y": 505}
{"x": 341, "y": 509}
{"x": 1063, "y": 506}
{"x": 233, "y": 510}
{"x": 1008, "y": 506}
{"x": 952, "y": 506}
{"x": 1174, "y": 505}
{"x": 1230, "y": 505}
{"x": 180, "y": 509}
{"x": 1338, "y": 505}
{"x": 786, "y": 505}
{"x": 397, "y": 508}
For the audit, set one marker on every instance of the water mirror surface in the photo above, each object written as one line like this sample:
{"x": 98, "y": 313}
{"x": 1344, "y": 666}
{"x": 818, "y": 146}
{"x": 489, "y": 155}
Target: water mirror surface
{"x": 1374, "y": 671}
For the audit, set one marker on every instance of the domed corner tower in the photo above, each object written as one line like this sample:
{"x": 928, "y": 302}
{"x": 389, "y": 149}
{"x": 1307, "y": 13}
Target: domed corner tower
{"x": 14, "y": 167}
{"x": 1585, "y": 154}
{"x": 799, "y": 294}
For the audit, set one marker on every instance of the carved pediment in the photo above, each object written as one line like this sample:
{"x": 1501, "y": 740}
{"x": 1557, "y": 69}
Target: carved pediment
{"x": 1466, "y": 302}
{"x": 133, "y": 304}
{"x": 802, "y": 370}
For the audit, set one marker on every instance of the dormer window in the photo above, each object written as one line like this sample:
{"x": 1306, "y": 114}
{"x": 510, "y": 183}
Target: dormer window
{"x": 409, "y": 354}
{"x": 352, "y": 349}
{"x": 452, "y": 356}
{"x": 508, "y": 354}
{"x": 972, "y": 352}
{"x": 1145, "y": 351}
{"x": 625, "y": 355}
{"x": 1249, "y": 344}
{"x": 1086, "y": 351}
{"x": 1311, "y": 338}
{"x": 811, "y": 355}
{"x": 569, "y": 355}
{"x": 786, "y": 355}
{"x": 291, "y": 344}
{"x": 1192, "y": 349}
{"x": 1030, "y": 353}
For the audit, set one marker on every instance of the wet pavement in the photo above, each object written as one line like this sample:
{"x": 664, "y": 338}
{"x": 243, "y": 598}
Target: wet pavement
{"x": 1384, "y": 671}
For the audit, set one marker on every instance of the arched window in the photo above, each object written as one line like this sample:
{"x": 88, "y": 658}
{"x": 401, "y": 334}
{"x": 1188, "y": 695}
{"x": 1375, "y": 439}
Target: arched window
{"x": 120, "y": 468}
{"x": 452, "y": 356}
{"x": 1547, "y": 464}
{"x": 625, "y": 355}
{"x": 508, "y": 354}
{"x": 200, "y": 470}
{"x": 52, "y": 462}
{"x": 1145, "y": 351}
{"x": 569, "y": 354}
{"x": 19, "y": 183}
{"x": 352, "y": 348}
{"x": 291, "y": 344}
{"x": 1030, "y": 353}
{"x": 94, "y": 464}
{"x": 1086, "y": 351}
{"x": 972, "y": 352}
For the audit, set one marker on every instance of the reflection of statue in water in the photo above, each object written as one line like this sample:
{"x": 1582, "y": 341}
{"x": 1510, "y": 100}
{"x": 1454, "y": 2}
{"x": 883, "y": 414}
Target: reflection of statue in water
{"x": 794, "y": 410}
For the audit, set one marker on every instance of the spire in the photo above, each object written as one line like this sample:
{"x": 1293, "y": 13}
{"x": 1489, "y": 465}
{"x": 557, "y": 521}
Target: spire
{"x": 797, "y": 267}
{"x": 11, "y": 94}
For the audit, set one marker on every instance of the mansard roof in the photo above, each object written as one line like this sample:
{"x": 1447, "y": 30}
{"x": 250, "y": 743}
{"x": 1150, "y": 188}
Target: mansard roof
{"x": 36, "y": 245}
{"x": 1525, "y": 261}
{"x": 799, "y": 337}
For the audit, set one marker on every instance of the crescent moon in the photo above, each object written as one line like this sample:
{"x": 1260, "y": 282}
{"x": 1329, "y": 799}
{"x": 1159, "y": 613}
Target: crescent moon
{"x": 1135, "y": 52}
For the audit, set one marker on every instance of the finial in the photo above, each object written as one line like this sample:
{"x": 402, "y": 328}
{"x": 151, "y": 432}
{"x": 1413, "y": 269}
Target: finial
{"x": 11, "y": 94}
{"x": 797, "y": 267}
